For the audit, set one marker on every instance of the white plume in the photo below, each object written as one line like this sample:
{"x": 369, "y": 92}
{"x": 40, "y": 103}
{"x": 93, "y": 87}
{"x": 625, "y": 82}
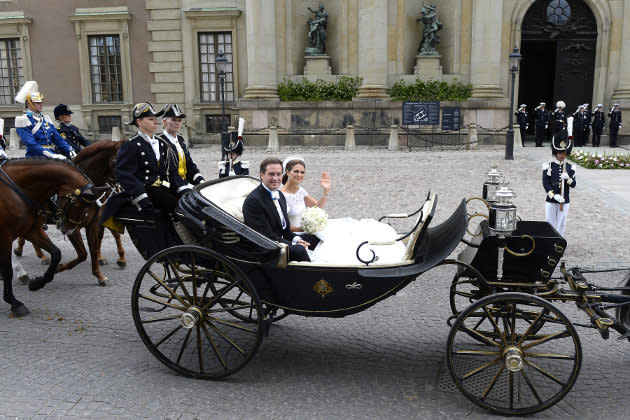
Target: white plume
{"x": 28, "y": 88}
{"x": 241, "y": 125}
{"x": 570, "y": 127}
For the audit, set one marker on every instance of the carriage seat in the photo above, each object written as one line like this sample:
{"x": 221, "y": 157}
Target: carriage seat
{"x": 229, "y": 196}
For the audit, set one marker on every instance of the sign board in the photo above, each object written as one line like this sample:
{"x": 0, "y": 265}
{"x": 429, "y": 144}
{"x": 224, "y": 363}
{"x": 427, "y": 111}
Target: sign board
{"x": 451, "y": 118}
{"x": 421, "y": 113}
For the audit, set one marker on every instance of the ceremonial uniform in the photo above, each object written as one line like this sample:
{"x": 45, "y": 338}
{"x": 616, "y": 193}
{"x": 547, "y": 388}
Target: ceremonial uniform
{"x": 599, "y": 122}
{"x": 522, "y": 117}
{"x": 558, "y": 177}
{"x": 541, "y": 120}
{"x": 39, "y": 134}
{"x": 73, "y": 137}
{"x": 615, "y": 124}
{"x": 558, "y": 121}
{"x": 238, "y": 168}
{"x": 587, "y": 124}
{"x": 234, "y": 150}
{"x": 578, "y": 127}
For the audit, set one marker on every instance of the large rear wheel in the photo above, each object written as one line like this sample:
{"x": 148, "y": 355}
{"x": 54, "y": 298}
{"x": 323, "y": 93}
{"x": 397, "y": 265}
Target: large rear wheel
{"x": 184, "y": 303}
{"x": 513, "y": 353}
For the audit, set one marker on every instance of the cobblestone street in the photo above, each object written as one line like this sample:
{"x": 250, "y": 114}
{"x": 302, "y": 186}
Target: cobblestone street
{"x": 78, "y": 355}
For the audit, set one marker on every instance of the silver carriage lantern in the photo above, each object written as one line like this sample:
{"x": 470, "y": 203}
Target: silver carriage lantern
{"x": 503, "y": 213}
{"x": 491, "y": 186}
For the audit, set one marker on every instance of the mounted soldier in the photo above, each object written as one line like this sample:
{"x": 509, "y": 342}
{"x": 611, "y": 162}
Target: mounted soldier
{"x": 67, "y": 130}
{"x": 36, "y": 130}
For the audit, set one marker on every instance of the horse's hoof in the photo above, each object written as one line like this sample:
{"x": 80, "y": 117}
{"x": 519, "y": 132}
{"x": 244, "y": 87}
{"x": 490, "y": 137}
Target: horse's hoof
{"x": 104, "y": 282}
{"x": 102, "y": 261}
{"x": 121, "y": 263}
{"x": 17, "y": 252}
{"x": 20, "y": 311}
{"x": 45, "y": 261}
{"x": 36, "y": 284}
{"x": 24, "y": 279}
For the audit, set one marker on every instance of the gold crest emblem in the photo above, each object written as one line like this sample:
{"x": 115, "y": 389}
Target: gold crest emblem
{"x": 323, "y": 288}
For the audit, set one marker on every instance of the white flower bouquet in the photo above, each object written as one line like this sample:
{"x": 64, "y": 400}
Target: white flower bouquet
{"x": 314, "y": 220}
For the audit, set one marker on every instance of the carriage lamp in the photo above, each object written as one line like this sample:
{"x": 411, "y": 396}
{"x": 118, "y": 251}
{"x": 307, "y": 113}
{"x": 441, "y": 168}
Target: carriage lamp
{"x": 491, "y": 185}
{"x": 503, "y": 213}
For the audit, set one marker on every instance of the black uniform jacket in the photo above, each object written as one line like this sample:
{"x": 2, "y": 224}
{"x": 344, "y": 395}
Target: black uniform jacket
{"x": 260, "y": 214}
{"x": 239, "y": 168}
{"x": 193, "y": 175}
{"x": 599, "y": 119}
{"x": 552, "y": 182}
{"x": 73, "y": 137}
{"x": 541, "y": 117}
{"x": 615, "y": 119}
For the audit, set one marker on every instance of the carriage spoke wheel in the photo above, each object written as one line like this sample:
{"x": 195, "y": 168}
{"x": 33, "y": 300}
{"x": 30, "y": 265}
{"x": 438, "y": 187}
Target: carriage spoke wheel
{"x": 513, "y": 353}
{"x": 247, "y": 317}
{"x": 184, "y": 302}
{"x": 463, "y": 292}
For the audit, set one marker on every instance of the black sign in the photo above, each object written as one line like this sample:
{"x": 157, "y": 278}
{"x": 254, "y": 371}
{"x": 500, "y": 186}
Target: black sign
{"x": 450, "y": 118}
{"x": 421, "y": 113}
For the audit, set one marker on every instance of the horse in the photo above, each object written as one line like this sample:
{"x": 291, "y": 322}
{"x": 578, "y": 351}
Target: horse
{"x": 27, "y": 186}
{"x": 98, "y": 162}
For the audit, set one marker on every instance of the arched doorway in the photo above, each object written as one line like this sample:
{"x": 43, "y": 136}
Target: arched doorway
{"x": 558, "y": 39}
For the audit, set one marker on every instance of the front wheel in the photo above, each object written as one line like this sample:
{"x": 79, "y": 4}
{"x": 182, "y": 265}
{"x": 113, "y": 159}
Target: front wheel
{"x": 513, "y": 353}
{"x": 184, "y": 302}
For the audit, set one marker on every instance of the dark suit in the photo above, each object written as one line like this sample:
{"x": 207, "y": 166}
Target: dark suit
{"x": 260, "y": 214}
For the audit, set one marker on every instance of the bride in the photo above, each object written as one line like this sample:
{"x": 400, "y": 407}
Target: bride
{"x": 341, "y": 237}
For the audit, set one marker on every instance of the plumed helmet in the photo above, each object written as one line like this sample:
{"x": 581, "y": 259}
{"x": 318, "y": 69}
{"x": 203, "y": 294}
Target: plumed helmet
{"x": 561, "y": 104}
{"x": 235, "y": 145}
{"x": 562, "y": 141}
{"x": 141, "y": 110}
{"x": 29, "y": 93}
{"x": 62, "y": 109}
{"x": 172, "y": 111}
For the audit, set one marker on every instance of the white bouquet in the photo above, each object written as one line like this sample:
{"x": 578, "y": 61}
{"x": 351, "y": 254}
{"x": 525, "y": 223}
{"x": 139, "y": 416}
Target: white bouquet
{"x": 314, "y": 220}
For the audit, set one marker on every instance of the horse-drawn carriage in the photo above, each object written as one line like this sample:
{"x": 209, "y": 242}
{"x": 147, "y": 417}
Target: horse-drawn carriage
{"x": 205, "y": 298}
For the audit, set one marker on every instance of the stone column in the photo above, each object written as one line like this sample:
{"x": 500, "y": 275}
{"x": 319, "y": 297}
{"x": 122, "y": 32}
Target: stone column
{"x": 373, "y": 48}
{"x": 260, "y": 18}
{"x": 623, "y": 88}
{"x": 486, "y": 64}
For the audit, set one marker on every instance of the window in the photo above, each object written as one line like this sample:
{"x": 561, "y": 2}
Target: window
{"x": 105, "y": 68}
{"x": 11, "y": 70}
{"x": 558, "y": 12}
{"x": 107, "y": 122}
{"x": 210, "y": 44}
{"x": 213, "y": 123}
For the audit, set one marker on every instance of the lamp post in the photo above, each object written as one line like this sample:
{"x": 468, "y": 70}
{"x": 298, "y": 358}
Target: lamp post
{"x": 221, "y": 64}
{"x": 514, "y": 60}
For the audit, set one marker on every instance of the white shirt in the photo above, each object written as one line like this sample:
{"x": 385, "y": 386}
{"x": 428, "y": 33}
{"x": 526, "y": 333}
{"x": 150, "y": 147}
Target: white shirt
{"x": 155, "y": 144}
{"x": 175, "y": 142}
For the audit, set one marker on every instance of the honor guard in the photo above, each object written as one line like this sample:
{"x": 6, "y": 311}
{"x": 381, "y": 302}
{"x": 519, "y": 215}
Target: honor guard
{"x": 615, "y": 124}
{"x": 558, "y": 177}
{"x": 36, "y": 130}
{"x": 541, "y": 121}
{"x": 69, "y": 132}
{"x": 522, "y": 117}
{"x": 558, "y": 118}
{"x": 172, "y": 118}
{"x": 578, "y": 125}
{"x": 587, "y": 123}
{"x": 233, "y": 165}
{"x": 599, "y": 122}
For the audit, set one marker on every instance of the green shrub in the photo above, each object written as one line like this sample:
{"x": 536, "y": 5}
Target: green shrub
{"x": 430, "y": 90}
{"x": 320, "y": 90}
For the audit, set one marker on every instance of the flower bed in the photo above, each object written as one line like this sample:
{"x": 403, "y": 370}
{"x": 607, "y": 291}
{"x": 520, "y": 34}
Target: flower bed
{"x": 600, "y": 160}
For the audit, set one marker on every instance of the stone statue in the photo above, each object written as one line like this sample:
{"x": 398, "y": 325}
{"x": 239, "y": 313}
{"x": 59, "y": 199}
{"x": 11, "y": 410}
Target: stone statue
{"x": 430, "y": 36}
{"x": 317, "y": 31}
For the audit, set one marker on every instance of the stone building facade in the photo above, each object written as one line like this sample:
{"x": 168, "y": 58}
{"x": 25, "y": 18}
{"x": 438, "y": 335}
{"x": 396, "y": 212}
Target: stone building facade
{"x": 100, "y": 57}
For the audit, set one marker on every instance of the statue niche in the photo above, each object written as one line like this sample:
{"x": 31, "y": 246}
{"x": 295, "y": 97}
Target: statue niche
{"x": 317, "y": 31}
{"x": 430, "y": 35}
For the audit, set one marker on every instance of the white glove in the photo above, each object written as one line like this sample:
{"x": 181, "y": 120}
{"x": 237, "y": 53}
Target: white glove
{"x": 73, "y": 154}
{"x": 3, "y": 155}
{"x": 565, "y": 176}
{"x": 558, "y": 198}
{"x": 53, "y": 155}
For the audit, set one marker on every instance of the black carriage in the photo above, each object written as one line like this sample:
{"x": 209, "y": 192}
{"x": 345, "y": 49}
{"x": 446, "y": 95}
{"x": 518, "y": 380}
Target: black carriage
{"x": 205, "y": 297}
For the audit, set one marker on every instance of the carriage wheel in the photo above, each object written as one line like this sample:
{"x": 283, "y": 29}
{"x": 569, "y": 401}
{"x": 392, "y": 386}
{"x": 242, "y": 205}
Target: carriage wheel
{"x": 623, "y": 312}
{"x": 513, "y": 353}
{"x": 183, "y": 304}
{"x": 464, "y": 291}
{"x": 247, "y": 317}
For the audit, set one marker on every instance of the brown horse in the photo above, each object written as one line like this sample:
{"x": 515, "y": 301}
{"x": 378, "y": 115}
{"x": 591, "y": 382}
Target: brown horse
{"x": 27, "y": 186}
{"x": 98, "y": 161}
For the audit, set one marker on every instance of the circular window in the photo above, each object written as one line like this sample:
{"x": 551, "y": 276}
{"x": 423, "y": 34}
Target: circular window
{"x": 558, "y": 12}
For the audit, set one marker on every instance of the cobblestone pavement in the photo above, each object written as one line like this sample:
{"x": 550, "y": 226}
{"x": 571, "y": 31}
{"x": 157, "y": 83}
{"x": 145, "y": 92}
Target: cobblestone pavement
{"x": 77, "y": 355}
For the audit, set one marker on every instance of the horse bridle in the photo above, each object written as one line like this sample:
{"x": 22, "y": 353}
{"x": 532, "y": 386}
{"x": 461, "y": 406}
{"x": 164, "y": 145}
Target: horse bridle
{"x": 60, "y": 214}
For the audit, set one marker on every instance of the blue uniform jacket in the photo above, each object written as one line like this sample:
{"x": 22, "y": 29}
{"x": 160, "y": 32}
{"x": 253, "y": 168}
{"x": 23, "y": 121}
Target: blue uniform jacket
{"x": 44, "y": 138}
{"x": 193, "y": 175}
{"x": 552, "y": 182}
{"x": 73, "y": 137}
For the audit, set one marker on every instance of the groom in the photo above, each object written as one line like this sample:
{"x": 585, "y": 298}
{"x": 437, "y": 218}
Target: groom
{"x": 265, "y": 210}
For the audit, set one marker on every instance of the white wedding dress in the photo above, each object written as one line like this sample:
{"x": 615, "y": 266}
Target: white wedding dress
{"x": 341, "y": 237}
